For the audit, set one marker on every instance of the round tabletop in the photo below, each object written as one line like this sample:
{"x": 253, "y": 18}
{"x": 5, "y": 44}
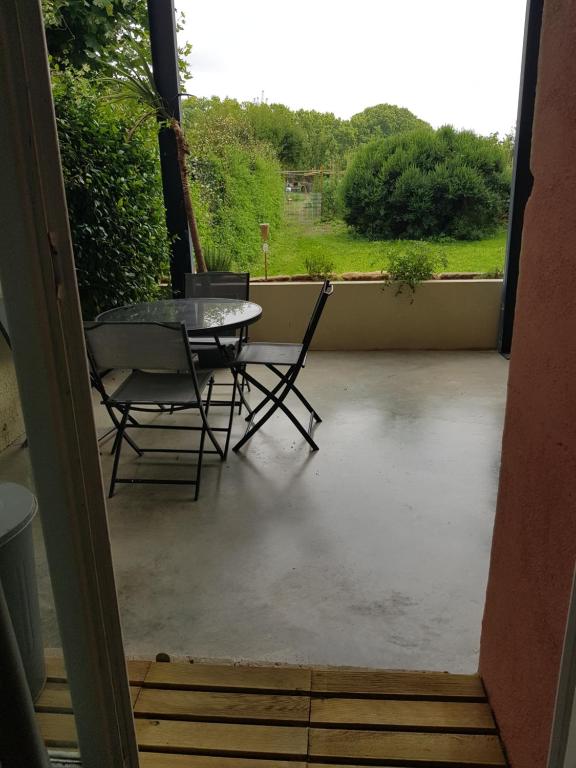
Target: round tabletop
{"x": 196, "y": 314}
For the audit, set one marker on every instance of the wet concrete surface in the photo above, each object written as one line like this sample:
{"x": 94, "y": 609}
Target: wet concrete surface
{"x": 373, "y": 551}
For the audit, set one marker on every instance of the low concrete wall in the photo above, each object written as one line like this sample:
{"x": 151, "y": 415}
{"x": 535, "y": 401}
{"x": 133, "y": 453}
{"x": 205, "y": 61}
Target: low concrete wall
{"x": 11, "y": 422}
{"x": 442, "y": 314}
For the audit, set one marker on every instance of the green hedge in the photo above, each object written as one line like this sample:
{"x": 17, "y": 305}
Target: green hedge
{"x": 428, "y": 183}
{"x": 236, "y": 180}
{"x": 114, "y": 195}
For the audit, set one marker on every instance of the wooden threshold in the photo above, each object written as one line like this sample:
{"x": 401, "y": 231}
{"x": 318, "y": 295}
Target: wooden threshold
{"x": 191, "y": 715}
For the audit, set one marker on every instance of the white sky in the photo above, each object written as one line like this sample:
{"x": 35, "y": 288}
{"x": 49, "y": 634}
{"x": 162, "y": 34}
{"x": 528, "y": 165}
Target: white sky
{"x": 449, "y": 61}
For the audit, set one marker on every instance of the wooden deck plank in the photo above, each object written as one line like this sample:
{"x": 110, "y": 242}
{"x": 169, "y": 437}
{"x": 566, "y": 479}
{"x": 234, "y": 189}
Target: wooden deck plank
{"x": 402, "y": 714}
{"x": 56, "y": 698}
{"x": 56, "y": 671}
{"x": 222, "y": 739}
{"x": 159, "y": 760}
{"x": 417, "y": 748}
{"x": 235, "y": 707}
{"x": 229, "y": 677}
{"x": 58, "y": 730}
{"x": 226, "y": 716}
{"x": 397, "y": 684}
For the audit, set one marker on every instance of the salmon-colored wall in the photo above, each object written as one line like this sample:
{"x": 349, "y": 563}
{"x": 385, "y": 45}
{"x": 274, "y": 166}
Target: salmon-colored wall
{"x": 534, "y": 546}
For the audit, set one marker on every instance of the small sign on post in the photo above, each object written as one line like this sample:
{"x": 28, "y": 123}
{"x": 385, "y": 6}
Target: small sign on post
{"x": 265, "y": 235}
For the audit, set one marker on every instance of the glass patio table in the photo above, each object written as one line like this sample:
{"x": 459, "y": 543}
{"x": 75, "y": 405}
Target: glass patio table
{"x": 201, "y": 316}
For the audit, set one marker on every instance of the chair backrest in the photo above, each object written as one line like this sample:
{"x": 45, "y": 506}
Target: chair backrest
{"x": 325, "y": 292}
{"x": 4, "y": 322}
{"x": 218, "y": 285}
{"x": 150, "y": 346}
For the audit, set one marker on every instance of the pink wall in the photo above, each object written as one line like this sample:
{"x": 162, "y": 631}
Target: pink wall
{"x": 534, "y": 545}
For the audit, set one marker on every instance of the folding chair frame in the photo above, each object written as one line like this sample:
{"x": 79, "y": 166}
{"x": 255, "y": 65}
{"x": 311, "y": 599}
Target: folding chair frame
{"x": 276, "y": 396}
{"x": 243, "y": 292}
{"x": 128, "y": 422}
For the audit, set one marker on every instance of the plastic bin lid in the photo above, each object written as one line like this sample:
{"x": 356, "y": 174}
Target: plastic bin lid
{"x": 17, "y": 508}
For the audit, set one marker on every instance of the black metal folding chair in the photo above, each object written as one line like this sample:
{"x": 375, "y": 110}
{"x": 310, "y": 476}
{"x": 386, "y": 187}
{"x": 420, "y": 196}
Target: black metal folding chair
{"x": 163, "y": 375}
{"x": 292, "y": 357}
{"x": 218, "y": 352}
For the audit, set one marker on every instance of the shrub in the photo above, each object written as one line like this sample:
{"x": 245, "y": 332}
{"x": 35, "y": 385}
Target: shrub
{"x": 114, "y": 196}
{"x": 428, "y": 183}
{"x": 411, "y": 263}
{"x": 319, "y": 266}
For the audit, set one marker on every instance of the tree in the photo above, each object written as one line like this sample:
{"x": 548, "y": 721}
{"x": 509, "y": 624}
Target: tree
{"x": 276, "y": 125}
{"x": 327, "y": 138}
{"x": 135, "y": 83}
{"x": 428, "y": 183}
{"x": 80, "y": 33}
{"x": 90, "y": 34}
{"x": 384, "y": 120}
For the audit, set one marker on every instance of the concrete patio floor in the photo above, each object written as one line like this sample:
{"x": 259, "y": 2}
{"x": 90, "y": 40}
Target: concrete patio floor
{"x": 372, "y": 552}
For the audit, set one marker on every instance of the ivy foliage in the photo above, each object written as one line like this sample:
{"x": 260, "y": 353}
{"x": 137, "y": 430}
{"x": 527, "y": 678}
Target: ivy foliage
{"x": 114, "y": 196}
{"x": 428, "y": 183}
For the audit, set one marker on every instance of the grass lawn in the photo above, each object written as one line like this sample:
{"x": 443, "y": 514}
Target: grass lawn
{"x": 294, "y": 241}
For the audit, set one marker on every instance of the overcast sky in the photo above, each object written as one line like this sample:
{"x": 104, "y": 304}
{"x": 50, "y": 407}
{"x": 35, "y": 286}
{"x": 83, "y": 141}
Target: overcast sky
{"x": 449, "y": 61}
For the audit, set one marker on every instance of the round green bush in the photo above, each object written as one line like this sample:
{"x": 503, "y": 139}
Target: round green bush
{"x": 114, "y": 195}
{"x": 426, "y": 184}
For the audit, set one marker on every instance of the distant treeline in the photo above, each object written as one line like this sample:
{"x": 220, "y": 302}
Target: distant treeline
{"x": 302, "y": 139}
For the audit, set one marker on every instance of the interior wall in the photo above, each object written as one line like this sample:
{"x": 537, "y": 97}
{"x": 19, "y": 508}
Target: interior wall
{"x": 11, "y": 422}
{"x": 534, "y": 544}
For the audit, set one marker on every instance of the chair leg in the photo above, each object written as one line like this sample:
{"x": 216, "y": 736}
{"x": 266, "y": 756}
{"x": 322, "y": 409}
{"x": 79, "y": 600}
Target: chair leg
{"x": 298, "y": 394}
{"x": 232, "y": 407}
{"x": 128, "y": 439}
{"x": 243, "y": 400}
{"x": 209, "y": 432}
{"x": 278, "y": 403}
{"x": 209, "y": 396}
{"x": 199, "y": 463}
{"x": 241, "y": 388}
{"x": 268, "y": 398}
{"x": 118, "y": 444}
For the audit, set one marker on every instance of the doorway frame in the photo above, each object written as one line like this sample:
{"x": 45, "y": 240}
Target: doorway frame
{"x": 42, "y": 304}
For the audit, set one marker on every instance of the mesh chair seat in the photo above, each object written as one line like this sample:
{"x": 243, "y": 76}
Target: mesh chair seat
{"x": 144, "y": 388}
{"x": 256, "y": 353}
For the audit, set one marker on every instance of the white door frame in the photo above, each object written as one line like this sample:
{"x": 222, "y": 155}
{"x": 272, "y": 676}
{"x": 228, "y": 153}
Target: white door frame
{"x": 563, "y": 740}
{"x": 41, "y": 295}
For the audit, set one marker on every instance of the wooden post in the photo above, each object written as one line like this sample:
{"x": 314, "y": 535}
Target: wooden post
{"x": 265, "y": 235}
